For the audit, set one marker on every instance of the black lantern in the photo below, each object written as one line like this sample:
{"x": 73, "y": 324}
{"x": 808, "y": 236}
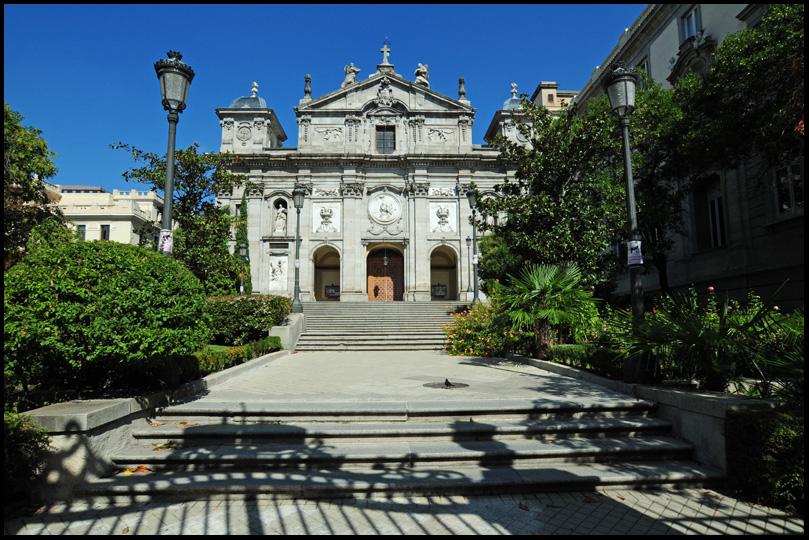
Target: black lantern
{"x": 621, "y": 90}
{"x": 298, "y": 196}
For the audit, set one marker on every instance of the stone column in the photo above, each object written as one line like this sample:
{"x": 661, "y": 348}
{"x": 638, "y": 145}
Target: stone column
{"x": 254, "y": 200}
{"x": 353, "y": 260}
{"x": 418, "y": 239}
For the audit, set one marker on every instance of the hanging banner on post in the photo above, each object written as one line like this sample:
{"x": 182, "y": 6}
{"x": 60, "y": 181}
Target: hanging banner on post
{"x": 166, "y": 242}
{"x": 634, "y": 255}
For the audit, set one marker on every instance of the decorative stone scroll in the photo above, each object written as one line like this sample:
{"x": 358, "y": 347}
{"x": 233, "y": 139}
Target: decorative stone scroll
{"x": 331, "y": 134}
{"x": 442, "y": 192}
{"x": 353, "y": 189}
{"x": 326, "y": 192}
{"x": 439, "y": 135}
{"x": 304, "y": 123}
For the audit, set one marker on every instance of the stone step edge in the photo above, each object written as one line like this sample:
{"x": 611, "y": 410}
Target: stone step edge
{"x": 399, "y": 429}
{"x": 329, "y": 483}
{"x": 405, "y": 452}
{"x": 400, "y": 408}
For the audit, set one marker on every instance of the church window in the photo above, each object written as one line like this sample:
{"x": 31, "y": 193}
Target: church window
{"x": 709, "y": 215}
{"x": 385, "y": 139}
{"x": 789, "y": 190}
{"x": 81, "y": 232}
{"x": 550, "y": 98}
{"x": 688, "y": 24}
{"x": 105, "y": 232}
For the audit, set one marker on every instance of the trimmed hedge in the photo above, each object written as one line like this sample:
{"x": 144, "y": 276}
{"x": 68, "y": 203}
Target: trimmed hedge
{"x": 236, "y": 320}
{"x": 765, "y": 457}
{"x": 25, "y": 448}
{"x": 82, "y": 315}
{"x": 214, "y": 358}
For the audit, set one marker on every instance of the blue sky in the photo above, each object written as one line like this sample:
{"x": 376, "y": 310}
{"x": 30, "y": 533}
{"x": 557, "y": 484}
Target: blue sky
{"x": 84, "y": 74}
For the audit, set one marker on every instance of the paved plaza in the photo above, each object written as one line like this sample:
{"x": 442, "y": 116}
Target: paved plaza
{"x": 376, "y": 378}
{"x": 603, "y": 511}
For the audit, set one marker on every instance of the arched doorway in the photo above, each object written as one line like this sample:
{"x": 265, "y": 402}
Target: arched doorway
{"x": 327, "y": 274}
{"x": 443, "y": 274}
{"x": 385, "y": 274}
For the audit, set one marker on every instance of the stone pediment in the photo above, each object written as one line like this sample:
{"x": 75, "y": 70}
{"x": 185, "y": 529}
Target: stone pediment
{"x": 385, "y": 91}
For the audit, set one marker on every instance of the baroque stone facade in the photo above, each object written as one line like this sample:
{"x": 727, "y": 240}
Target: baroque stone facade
{"x": 385, "y": 162}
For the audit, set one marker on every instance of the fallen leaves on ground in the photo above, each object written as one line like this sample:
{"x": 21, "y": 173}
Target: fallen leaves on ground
{"x": 186, "y": 424}
{"x": 154, "y": 423}
{"x": 588, "y": 499}
{"x": 523, "y": 506}
{"x": 125, "y": 530}
{"x": 129, "y": 471}
{"x": 170, "y": 445}
{"x": 620, "y": 498}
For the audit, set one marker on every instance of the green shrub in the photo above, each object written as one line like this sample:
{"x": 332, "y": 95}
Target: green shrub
{"x": 81, "y": 315}
{"x": 765, "y": 457}
{"x": 236, "y": 320}
{"x": 215, "y": 358}
{"x": 710, "y": 340}
{"x": 25, "y": 447}
{"x": 594, "y": 358}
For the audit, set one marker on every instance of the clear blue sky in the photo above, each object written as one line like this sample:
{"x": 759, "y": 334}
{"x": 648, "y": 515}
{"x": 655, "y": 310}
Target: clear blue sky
{"x": 84, "y": 74}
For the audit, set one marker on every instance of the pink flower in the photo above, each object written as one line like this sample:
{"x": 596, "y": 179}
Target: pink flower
{"x": 711, "y": 288}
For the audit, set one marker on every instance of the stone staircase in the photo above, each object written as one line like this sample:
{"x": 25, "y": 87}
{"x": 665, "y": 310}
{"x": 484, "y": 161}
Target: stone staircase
{"x": 375, "y": 326}
{"x": 359, "y": 449}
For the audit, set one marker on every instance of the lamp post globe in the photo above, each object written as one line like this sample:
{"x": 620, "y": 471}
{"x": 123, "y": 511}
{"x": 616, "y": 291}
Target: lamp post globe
{"x": 621, "y": 84}
{"x": 298, "y": 196}
{"x": 175, "y": 79}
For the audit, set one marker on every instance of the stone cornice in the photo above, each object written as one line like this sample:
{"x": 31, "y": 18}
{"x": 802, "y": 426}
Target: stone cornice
{"x": 295, "y": 161}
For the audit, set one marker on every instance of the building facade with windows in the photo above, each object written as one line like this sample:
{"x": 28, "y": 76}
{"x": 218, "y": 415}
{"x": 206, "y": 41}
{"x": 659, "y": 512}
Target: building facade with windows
{"x": 744, "y": 226}
{"x": 128, "y": 217}
{"x": 385, "y": 162}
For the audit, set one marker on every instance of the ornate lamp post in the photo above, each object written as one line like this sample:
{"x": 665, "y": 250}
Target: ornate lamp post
{"x": 243, "y": 255}
{"x": 470, "y": 195}
{"x": 175, "y": 78}
{"x": 298, "y": 195}
{"x": 621, "y": 91}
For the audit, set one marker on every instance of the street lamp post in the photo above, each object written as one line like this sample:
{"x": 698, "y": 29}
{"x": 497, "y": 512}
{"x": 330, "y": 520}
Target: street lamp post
{"x": 468, "y": 265}
{"x": 175, "y": 78}
{"x": 298, "y": 195}
{"x": 243, "y": 255}
{"x": 621, "y": 91}
{"x": 470, "y": 195}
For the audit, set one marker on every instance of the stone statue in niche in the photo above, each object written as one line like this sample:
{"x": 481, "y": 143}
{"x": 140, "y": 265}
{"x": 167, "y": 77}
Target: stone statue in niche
{"x": 423, "y": 75}
{"x": 280, "y": 225}
{"x": 351, "y": 74}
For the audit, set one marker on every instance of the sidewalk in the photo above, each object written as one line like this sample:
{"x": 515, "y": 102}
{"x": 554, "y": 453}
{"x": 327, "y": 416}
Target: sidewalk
{"x": 604, "y": 511}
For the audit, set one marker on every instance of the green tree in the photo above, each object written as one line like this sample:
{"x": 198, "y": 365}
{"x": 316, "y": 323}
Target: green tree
{"x": 27, "y": 162}
{"x": 241, "y": 239}
{"x": 548, "y": 299}
{"x": 203, "y": 229}
{"x": 564, "y": 205}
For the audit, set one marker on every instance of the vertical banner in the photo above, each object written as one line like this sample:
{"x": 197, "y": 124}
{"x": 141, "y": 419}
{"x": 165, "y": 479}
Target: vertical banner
{"x": 634, "y": 255}
{"x": 166, "y": 243}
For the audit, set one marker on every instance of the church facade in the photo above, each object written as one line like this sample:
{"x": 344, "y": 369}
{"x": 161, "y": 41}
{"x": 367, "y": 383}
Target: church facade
{"x": 385, "y": 162}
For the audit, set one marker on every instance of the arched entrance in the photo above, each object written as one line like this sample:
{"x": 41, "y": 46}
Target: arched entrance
{"x": 385, "y": 274}
{"x": 327, "y": 274}
{"x": 443, "y": 274}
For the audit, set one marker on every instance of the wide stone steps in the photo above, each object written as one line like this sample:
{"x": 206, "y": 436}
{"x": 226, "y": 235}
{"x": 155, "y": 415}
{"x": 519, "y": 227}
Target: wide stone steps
{"x": 285, "y": 449}
{"x": 371, "y": 326}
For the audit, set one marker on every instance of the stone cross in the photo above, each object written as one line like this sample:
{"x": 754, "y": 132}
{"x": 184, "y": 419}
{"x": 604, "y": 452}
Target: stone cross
{"x": 385, "y": 50}
{"x": 255, "y": 88}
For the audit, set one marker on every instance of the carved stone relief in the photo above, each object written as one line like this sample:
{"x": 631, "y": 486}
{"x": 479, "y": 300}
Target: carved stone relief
{"x": 384, "y": 208}
{"x": 278, "y": 272}
{"x": 443, "y": 217}
{"x": 439, "y": 135}
{"x": 326, "y": 192}
{"x": 326, "y": 217}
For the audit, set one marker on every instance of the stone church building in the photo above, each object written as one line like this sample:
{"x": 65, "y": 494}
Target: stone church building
{"x": 385, "y": 162}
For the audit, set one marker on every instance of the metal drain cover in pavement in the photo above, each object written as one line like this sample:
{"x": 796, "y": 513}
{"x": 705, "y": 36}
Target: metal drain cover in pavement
{"x": 443, "y": 385}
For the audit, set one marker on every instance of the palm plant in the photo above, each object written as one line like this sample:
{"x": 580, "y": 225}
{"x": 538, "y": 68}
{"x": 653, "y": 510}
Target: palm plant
{"x": 548, "y": 299}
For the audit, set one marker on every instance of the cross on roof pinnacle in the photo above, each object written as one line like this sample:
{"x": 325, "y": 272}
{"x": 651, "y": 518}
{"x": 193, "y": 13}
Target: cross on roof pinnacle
{"x": 385, "y": 50}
